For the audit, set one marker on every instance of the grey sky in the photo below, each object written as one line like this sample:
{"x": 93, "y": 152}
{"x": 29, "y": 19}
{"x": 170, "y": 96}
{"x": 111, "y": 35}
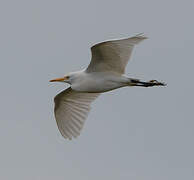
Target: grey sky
{"x": 131, "y": 133}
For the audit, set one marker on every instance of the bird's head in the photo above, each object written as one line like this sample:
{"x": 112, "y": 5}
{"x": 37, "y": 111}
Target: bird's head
{"x": 69, "y": 78}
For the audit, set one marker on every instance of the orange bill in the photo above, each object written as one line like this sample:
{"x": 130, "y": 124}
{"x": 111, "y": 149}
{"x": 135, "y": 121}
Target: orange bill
{"x": 58, "y": 79}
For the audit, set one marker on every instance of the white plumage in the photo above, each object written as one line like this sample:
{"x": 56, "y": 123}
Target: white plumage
{"x": 71, "y": 111}
{"x": 104, "y": 73}
{"x": 113, "y": 55}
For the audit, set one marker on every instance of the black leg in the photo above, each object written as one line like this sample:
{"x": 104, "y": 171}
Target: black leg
{"x": 136, "y": 82}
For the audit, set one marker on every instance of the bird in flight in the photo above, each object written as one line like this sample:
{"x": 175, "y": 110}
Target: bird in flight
{"x": 105, "y": 72}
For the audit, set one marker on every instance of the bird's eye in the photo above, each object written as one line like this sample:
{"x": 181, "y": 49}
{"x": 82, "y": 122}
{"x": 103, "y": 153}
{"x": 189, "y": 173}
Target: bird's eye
{"x": 67, "y": 77}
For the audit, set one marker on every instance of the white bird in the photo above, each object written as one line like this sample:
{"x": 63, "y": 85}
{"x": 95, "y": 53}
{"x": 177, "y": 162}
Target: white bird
{"x": 104, "y": 73}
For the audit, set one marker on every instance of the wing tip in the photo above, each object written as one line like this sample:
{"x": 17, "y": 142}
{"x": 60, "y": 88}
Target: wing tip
{"x": 141, "y": 36}
{"x": 70, "y": 138}
{"x": 138, "y": 38}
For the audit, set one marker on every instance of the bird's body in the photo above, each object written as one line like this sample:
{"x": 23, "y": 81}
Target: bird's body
{"x": 98, "y": 82}
{"x": 104, "y": 73}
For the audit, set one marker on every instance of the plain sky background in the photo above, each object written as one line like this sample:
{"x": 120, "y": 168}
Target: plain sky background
{"x": 131, "y": 133}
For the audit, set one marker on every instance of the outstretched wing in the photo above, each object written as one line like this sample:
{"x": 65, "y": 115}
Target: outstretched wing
{"x": 113, "y": 55}
{"x": 71, "y": 111}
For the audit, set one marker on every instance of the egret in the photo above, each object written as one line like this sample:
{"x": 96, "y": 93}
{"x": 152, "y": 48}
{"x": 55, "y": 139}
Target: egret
{"x": 104, "y": 73}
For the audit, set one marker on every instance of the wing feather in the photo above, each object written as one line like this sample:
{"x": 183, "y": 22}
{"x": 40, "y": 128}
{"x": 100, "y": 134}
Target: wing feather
{"x": 71, "y": 111}
{"x": 113, "y": 55}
